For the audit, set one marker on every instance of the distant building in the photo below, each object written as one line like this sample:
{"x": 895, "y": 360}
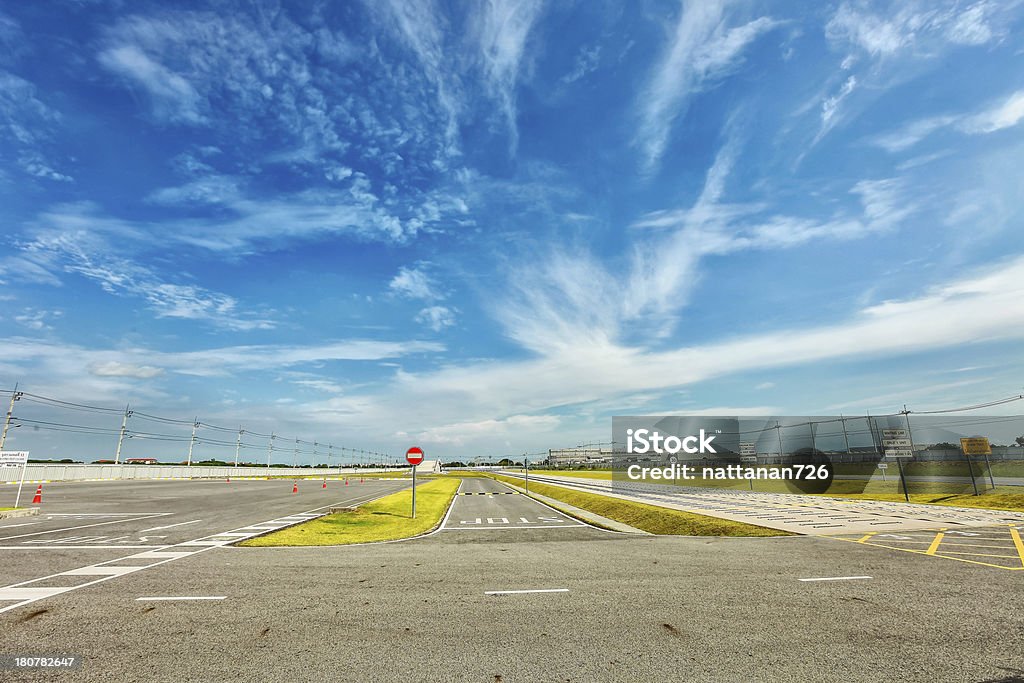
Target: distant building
{"x": 578, "y": 456}
{"x": 140, "y": 461}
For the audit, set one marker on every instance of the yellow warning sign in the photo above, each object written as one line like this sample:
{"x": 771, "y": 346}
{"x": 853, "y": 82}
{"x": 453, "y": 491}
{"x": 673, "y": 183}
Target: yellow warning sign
{"x": 978, "y": 446}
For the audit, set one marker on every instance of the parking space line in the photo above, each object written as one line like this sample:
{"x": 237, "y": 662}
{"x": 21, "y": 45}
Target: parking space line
{"x": 949, "y": 552}
{"x": 1015, "y": 535}
{"x": 838, "y": 578}
{"x": 935, "y": 544}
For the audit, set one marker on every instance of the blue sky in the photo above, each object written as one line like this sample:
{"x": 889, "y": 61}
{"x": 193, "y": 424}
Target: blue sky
{"x": 487, "y": 227}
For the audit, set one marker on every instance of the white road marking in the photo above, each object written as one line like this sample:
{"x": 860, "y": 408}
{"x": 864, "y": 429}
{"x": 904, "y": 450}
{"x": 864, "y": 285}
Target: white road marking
{"x": 533, "y": 527}
{"x": 19, "y": 593}
{"x": 170, "y": 526}
{"x": 11, "y": 526}
{"x": 531, "y": 590}
{"x": 182, "y": 597}
{"x": 25, "y": 594}
{"x": 76, "y": 547}
{"x": 102, "y": 571}
{"x": 837, "y": 578}
{"x": 83, "y": 526}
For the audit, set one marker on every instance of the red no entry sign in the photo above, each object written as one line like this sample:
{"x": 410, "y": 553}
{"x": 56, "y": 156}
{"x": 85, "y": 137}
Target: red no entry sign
{"x": 414, "y": 455}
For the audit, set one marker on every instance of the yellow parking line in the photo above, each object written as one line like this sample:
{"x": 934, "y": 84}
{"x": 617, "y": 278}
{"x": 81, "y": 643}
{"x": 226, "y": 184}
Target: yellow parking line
{"x": 1017, "y": 542}
{"x": 865, "y": 537}
{"x": 946, "y": 552}
{"x": 921, "y": 552}
{"x": 935, "y": 544}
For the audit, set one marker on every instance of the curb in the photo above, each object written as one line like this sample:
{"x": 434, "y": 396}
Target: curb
{"x": 20, "y": 512}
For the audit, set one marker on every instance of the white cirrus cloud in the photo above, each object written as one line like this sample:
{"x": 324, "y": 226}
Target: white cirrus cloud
{"x": 702, "y": 50}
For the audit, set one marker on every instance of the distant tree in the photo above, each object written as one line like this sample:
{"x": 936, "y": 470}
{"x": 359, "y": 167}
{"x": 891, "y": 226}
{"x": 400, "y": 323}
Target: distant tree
{"x": 1019, "y": 441}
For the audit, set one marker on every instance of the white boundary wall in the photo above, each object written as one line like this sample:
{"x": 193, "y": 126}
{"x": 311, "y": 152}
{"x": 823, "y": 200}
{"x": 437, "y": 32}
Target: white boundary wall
{"x": 76, "y": 472}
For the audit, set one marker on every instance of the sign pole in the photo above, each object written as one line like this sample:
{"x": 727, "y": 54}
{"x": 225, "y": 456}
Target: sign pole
{"x": 415, "y": 456}
{"x": 21, "y": 482}
{"x": 903, "y": 479}
{"x": 970, "y": 468}
{"x": 991, "y": 478}
{"x": 526, "y": 467}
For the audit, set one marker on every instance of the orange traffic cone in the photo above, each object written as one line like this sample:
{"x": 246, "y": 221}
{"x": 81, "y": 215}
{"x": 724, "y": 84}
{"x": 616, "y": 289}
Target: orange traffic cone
{"x": 360, "y": 480}
{"x": 38, "y": 498}
{"x": 295, "y": 487}
{"x": 346, "y": 481}
{"x": 325, "y": 484}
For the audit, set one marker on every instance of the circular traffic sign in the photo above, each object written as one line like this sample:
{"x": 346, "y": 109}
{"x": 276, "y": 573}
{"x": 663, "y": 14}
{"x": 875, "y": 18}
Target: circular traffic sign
{"x": 414, "y": 455}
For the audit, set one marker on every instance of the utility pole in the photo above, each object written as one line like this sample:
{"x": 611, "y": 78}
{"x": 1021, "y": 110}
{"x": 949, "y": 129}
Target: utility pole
{"x": 15, "y": 396}
{"x": 192, "y": 441}
{"x": 120, "y": 436}
{"x": 270, "y": 450}
{"x": 295, "y": 453}
{"x": 238, "y": 444}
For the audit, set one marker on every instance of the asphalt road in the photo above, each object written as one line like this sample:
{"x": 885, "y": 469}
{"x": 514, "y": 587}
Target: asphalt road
{"x": 627, "y": 608}
{"x": 82, "y": 523}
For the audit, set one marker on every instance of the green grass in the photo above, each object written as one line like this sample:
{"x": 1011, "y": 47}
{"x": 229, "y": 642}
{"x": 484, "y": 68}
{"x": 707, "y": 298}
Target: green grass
{"x": 650, "y": 518}
{"x": 386, "y": 519}
{"x": 6, "y": 509}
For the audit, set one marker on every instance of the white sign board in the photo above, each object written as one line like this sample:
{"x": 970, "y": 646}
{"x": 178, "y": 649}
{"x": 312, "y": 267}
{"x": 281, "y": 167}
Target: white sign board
{"x": 748, "y": 458}
{"x": 883, "y": 466}
{"x": 899, "y": 453}
{"x": 897, "y": 443}
{"x": 13, "y": 458}
{"x": 894, "y": 434}
{"x": 748, "y": 448}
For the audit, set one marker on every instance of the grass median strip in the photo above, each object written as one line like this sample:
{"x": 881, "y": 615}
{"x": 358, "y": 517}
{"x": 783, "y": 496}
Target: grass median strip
{"x": 650, "y": 518}
{"x": 385, "y": 519}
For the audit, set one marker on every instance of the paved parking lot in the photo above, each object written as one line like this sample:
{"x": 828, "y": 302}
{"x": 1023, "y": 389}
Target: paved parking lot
{"x": 792, "y": 512}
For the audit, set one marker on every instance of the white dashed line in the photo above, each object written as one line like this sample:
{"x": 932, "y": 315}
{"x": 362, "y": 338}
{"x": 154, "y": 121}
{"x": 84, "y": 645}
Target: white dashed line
{"x": 837, "y": 578}
{"x": 181, "y": 597}
{"x": 531, "y": 590}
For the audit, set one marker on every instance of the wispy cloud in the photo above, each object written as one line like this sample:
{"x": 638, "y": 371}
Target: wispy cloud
{"x": 502, "y": 29}
{"x": 999, "y": 115}
{"x": 703, "y": 49}
{"x": 147, "y": 363}
{"x": 931, "y": 320}
{"x": 174, "y": 99}
{"x": 113, "y": 368}
{"x": 569, "y": 299}
{"x": 588, "y": 59}
{"x": 914, "y": 25}
{"x": 414, "y": 283}
{"x": 436, "y": 318}
{"x": 421, "y": 26}
{"x": 90, "y": 254}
